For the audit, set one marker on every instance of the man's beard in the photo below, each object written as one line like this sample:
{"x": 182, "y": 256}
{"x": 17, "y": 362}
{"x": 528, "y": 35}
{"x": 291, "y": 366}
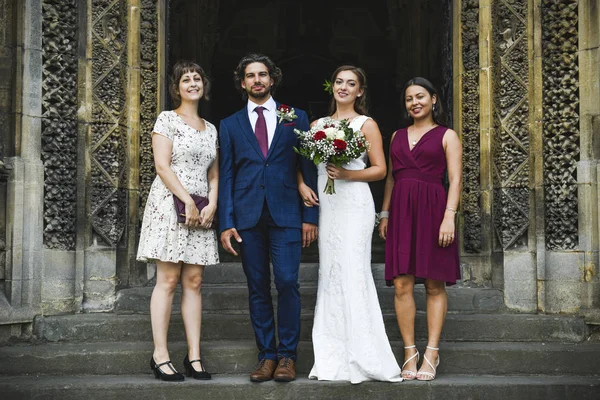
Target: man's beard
{"x": 259, "y": 95}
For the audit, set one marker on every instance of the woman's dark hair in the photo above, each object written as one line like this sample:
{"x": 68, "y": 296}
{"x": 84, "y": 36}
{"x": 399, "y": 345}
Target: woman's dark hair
{"x": 183, "y": 67}
{"x": 438, "y": 114}
{"x": 238, "y": 74}
{"x": 360, "y": 104}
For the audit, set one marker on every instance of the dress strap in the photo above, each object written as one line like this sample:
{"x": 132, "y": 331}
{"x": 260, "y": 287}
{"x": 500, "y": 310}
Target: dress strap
{"x": 359, "y": 121}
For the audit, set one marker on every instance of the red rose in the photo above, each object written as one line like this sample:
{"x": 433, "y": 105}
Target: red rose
{"x": 339, "y": 145}
{"x": 359, "y": 144}
{"x": 284, "y": 108}
{"x": 319, "y": 135}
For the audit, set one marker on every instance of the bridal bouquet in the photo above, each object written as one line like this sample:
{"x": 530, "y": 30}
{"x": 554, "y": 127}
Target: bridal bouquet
{"x": 331, "y": 141}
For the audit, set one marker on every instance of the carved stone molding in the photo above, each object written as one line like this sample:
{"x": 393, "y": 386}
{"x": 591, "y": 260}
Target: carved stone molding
{"x": 59, "y": 123}
{"x": 148, "y": 95}
{"x": 470, "y": 126}
{"x": 510, "y": 147}
{"x": 561, "y": 121}
{"x": 109, "y": 66}
{"x": 7, "y": 62}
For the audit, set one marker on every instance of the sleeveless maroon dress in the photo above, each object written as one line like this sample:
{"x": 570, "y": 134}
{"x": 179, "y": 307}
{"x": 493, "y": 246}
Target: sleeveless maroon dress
{"x": 416, "y": 211}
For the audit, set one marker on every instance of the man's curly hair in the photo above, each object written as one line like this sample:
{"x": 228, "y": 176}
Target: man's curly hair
{"x": 238, "y": 74}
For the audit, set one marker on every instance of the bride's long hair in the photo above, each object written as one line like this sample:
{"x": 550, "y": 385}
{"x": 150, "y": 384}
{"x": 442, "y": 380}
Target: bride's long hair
{"x": 360, "y": 104}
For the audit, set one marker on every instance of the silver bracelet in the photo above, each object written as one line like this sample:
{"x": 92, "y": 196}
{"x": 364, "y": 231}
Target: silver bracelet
{"x": 384, "y": 214}
{"x": 452, "y": 209}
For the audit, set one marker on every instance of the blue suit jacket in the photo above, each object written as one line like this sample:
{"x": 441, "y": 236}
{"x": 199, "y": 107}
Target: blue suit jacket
{"x": 247, "y": 178}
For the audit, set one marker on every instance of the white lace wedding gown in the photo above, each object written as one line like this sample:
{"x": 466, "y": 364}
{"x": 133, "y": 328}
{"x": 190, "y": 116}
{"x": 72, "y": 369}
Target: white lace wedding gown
{"x": 349, "y": 338}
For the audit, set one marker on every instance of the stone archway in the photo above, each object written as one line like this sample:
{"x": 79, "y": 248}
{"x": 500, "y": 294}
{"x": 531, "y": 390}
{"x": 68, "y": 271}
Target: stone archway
{"x": 393, "y": 41}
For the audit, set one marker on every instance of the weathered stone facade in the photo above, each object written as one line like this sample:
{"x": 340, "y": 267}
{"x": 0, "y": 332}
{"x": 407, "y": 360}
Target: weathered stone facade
{"x": 83, "y": 82}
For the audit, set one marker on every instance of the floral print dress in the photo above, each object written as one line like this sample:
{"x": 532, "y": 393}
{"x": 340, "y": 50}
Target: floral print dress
{"x": 162, "y": 237}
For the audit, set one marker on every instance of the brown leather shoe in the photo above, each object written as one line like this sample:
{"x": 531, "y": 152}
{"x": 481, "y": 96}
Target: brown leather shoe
{"x": 264, "y": 371}
{"x": 286, "y": 370}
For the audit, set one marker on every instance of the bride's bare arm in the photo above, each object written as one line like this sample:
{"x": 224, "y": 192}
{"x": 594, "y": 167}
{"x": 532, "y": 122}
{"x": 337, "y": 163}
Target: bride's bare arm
{"x": 306, "y": 193}
{"x": 309, "y": 197}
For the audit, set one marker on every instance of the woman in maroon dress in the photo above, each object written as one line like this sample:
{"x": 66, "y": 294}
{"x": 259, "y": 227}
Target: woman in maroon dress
{"x": 417, "y": 220}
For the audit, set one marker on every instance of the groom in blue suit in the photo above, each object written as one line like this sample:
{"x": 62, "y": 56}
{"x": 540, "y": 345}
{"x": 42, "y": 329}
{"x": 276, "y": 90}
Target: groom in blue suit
{"x": 260, "y": 207}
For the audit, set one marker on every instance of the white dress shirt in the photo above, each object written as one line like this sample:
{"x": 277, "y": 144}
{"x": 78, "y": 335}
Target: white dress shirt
{"x": 269, "y": 113}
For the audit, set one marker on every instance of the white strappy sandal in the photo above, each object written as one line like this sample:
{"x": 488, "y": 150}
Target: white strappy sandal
{"x": 426, "y": 375}
{"x": 410, "y": 375}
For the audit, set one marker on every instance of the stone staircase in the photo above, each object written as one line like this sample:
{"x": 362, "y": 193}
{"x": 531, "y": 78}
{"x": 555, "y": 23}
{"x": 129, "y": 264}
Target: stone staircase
{"x": 487, "y": 352}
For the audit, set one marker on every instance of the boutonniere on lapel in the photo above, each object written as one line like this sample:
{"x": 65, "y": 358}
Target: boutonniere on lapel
{"x": 286, "y": 113}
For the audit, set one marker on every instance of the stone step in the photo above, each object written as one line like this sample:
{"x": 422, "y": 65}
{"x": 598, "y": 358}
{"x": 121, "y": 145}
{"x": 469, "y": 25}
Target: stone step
{"x": 240, "y": 357}
{"x": 458, "y": 327}
{"x": 232, "y": 273}
{"x": 445, "y": 387}
{"x": 230, "y": 299}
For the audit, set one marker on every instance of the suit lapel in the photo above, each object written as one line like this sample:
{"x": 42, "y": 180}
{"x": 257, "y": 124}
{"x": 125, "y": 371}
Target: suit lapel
{"x": 246, "y": 128}
{"x": 278, "y": 132}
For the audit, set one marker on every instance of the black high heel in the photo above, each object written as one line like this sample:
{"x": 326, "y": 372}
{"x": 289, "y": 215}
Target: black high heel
{"x": 190, "y": 371}
{"x": 159, "y": 374}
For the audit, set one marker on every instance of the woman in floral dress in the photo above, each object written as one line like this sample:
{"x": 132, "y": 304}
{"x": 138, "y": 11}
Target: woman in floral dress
{"x": 186, "y": 160}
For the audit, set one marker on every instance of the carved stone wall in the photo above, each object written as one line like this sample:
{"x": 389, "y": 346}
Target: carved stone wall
{"x": 561, "y": 121}
{"x": 510, "y": 147}
{"x": 109, "y": 125}
{"x": 148, "y": 95}
{"x": 59, "y": 123}
{"x": 470, "y": 127}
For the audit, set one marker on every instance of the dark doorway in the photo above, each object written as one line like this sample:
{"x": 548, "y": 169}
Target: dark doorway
{"x": 392, "y": 40}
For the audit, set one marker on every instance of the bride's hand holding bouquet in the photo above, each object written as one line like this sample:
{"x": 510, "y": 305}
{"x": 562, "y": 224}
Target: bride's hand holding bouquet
{"x": 332, "y": 142}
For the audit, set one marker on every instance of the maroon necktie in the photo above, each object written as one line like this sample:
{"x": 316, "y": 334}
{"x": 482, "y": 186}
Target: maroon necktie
{"x": 260, "y": 130}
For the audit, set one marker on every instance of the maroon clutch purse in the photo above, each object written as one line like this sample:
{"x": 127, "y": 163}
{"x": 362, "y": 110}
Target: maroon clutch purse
{"x": 200, "y": 201}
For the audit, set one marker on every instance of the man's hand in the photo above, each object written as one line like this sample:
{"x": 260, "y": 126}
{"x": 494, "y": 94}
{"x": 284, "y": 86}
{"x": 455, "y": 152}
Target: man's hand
{"x": 310, "y": 232}
{"x": 226, "y": 240}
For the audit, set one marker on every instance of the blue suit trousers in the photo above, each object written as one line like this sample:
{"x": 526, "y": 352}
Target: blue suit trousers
{"x": 284, "y": 246}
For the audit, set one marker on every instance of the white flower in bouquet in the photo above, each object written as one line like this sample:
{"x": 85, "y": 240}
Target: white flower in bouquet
{"x": 331, "y": 132}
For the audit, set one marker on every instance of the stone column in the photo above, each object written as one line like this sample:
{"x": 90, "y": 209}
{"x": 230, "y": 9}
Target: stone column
{"x": 471, "y": 94}
{"x": 127, "y": 251}
{"x": 26, "y": 183}
{"x": 537, "y": 212}
{"x": 106, "y": 145}
{"x": 7, "y": 69}
{"x": 588, "y": 168}
{"x": 569, "y": 168}
{"x": 84, "y": 113}
{"x": 59, "y": 154}
{"x": 512, "y": 216}
{"x": 153, "y": 70}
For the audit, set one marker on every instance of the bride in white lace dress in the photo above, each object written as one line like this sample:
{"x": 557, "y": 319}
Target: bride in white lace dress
{"x": 349, "y": 338}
